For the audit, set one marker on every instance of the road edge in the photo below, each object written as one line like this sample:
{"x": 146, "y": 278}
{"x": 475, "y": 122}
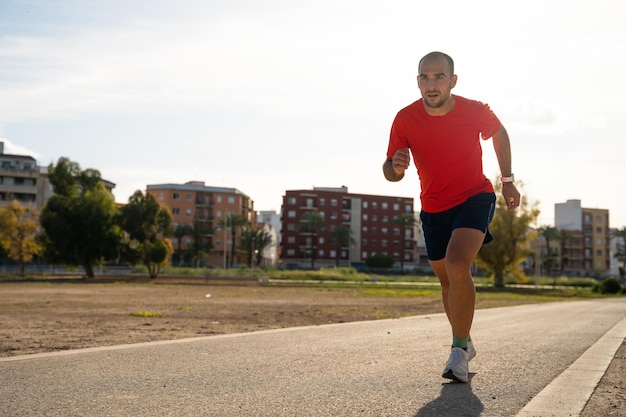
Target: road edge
{"x": 568, "y": 393}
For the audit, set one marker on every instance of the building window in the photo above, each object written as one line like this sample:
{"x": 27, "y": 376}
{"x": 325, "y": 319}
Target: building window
{"x": 333, "y": 202}
{"x": 218, "y": 199}
{"x": 231, "y": 200}
{"x": 385, "y": 205}
{"x": 333, "y": 254}
{"x": 291, "y": 201}
{"x": 291, "y": 214}
{"x": 310, "y": 202}
{"x": 321, "y": 240}
{"x": 365, "y": 204}
{"x": 175, "y": 211}
{"x": 396, "y": 207}
{"x": 176, "y": 196}
{"x": 408, "y": 208}
{"x": 364, "y": 242}
{"x": 188, "y": 212}
{"x": 385, "y": 218}
{"x": 291, "y": 239}
{"x": 291, "y": 227}
{"x": 160, "y": 195}
{"x": 322, "y": 201}
{"x": 374, "y": 217}
{"x": 291, "y": 252}
{"x": 363, "y": 255}
{"x": 219, "y": 213}
{"x": 374, "y": 204}
{"x": 383, "y": 243}
{"x": 364, "y": 216}
{"x": 189, "y": 197}
{"x": 384, "y": 230}
{"x": 364, "y": 229}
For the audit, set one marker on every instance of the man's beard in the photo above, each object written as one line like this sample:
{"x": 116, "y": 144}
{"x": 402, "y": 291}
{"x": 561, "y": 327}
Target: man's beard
{"x": 439, "y": 101}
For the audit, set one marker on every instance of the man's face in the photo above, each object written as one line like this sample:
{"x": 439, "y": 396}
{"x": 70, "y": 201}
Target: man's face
{"x": 435, "y": 82}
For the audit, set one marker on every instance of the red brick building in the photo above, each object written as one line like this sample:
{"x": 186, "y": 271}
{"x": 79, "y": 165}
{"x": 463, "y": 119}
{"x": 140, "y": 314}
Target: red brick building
{"x": 369, "y": 217}
{"x": 195, "y": 201}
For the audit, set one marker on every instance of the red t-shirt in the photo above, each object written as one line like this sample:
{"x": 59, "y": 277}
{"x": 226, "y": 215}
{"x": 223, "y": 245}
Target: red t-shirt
{"x": 446, "y": 150}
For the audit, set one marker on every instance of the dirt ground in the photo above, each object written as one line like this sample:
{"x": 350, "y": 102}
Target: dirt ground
{"x": 62, "y": 314}
{"x": 71, "y": 314}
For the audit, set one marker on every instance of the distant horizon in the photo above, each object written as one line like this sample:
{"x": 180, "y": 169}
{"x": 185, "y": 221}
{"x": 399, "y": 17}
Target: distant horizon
{"x": 186, "y": 184}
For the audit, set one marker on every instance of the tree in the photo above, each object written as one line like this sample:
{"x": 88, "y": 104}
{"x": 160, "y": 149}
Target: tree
{"x": 200, "y": 232}
{"x": 312, "y": 222}
{"x": 510, "y": 246}
{"x": 342, "y": 237}
{"x": 146, "y": 225}
{"x": 180, "y": 231}
{"x": 235, "y": 223}
{"x": 253, "y": 242}
{"x": 79, "y": 220}
{"x": 550, "y": 234}
{"x": 262, "y": 240}
{"x": 19, "y": 227}
{"x": 562, "y": 236}
{"x": 405, "y": 221}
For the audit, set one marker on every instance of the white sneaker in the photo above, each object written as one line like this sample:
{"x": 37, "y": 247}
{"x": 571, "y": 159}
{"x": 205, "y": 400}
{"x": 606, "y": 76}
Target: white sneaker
{"x": 471, "y": 351}
{"x": 457, "y": 368}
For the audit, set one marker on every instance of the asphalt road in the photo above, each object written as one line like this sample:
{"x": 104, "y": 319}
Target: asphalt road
{"x": 378, "y": 368}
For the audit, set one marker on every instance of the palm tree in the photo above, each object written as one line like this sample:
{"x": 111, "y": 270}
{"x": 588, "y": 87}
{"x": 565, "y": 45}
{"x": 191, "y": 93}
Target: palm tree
{"x": 180, "y": 232}
{"x": 342, "y": 237}
{"x": 234, "y": 222}
{"x": 253, "y": 241}
{"x": 405, "y": 221}
{"x": 563, "y": 236}
{"x": 263, "y": 240}
{"x": 200, "y": 231}
{"x": 311, "y": 223}
{"x": 549, "y": 233}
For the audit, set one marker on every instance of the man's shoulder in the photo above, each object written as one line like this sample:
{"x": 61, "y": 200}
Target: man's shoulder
{"x": 467, "y": 102}
{"x": 411, "y": 108}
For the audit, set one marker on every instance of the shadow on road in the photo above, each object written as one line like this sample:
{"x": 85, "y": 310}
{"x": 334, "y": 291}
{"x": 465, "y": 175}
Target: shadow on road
{"x": 456, "y": 399}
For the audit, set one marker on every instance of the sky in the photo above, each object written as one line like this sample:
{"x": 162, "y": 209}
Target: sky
{"x": 275, "y": 95}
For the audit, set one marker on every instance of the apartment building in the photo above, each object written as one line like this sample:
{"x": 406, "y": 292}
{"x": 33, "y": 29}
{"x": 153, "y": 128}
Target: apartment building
{"x": 369, "y": 217}
{"x": 195, "y": 201}
{"x": 588, "y": 250}
{"x": 23, "y": 180}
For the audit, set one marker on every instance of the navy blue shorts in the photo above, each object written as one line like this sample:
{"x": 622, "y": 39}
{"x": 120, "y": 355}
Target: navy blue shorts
{"x": 475, "y": 213}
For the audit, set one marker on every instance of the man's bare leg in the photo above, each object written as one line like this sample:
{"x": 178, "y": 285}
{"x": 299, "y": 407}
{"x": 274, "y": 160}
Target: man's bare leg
{"x": 462, "y": 249}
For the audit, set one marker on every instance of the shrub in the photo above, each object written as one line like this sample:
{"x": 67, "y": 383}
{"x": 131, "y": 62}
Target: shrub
{"x": 610, "y": 286}
{"x": 380, "y": 260}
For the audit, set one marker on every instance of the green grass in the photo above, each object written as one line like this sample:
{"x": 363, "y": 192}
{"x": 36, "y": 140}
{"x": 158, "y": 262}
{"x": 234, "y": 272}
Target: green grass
{"x": 146, "y": 314}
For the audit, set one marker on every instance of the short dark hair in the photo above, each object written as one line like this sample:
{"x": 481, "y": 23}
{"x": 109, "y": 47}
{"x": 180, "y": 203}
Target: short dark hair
{"x": 437, "y": 55}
